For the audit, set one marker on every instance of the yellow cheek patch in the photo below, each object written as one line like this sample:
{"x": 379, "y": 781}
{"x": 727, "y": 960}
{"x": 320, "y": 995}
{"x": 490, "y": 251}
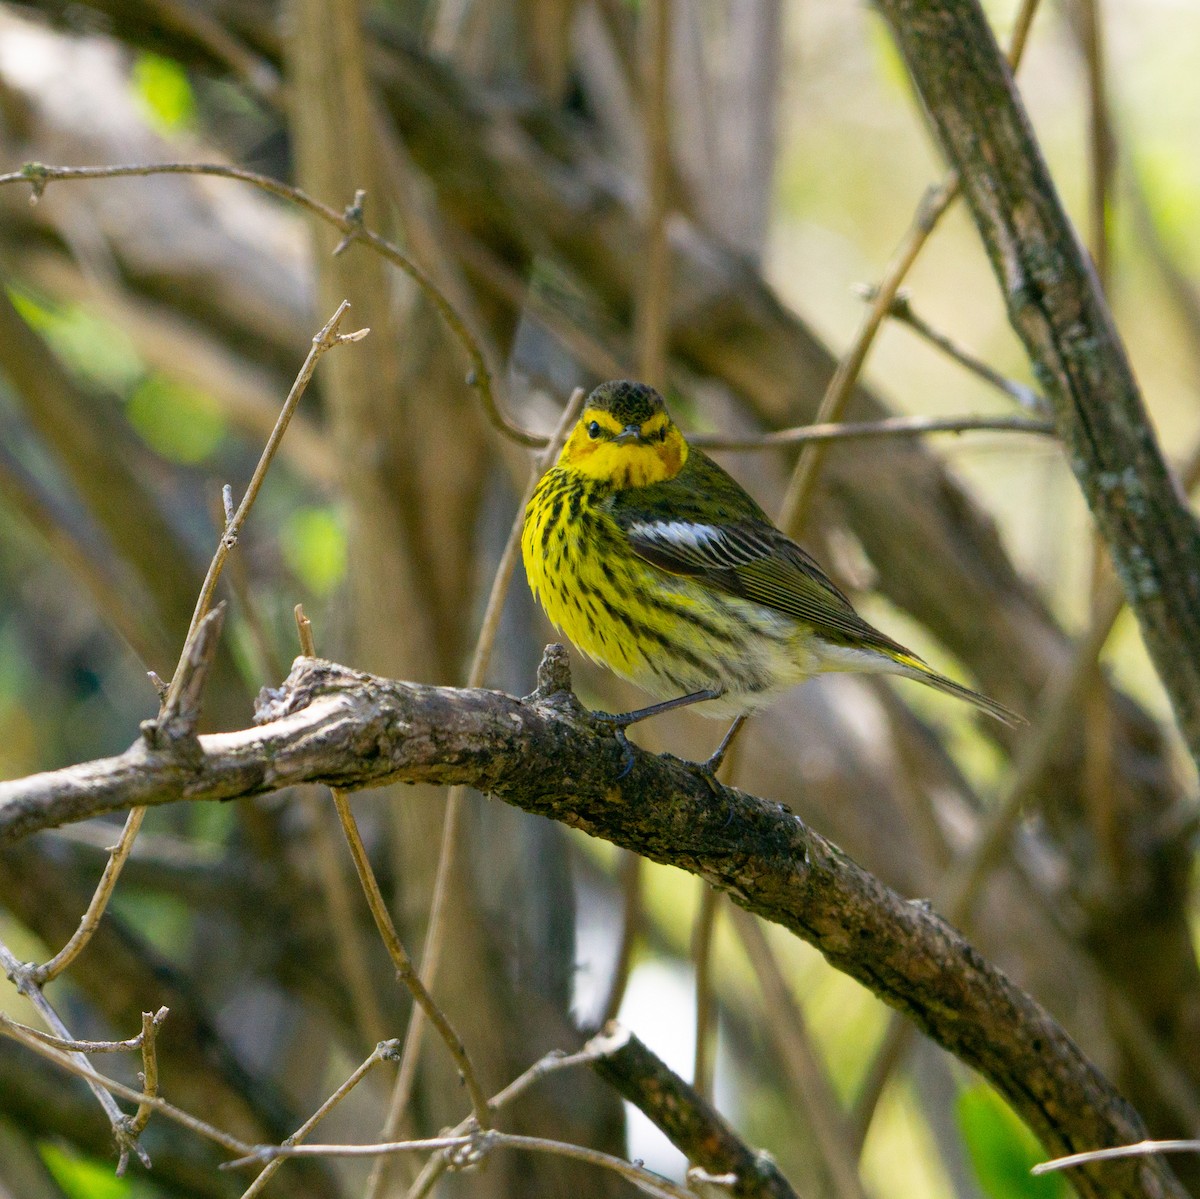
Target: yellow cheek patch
{"x": 631, "y": 464}
{"x": 655, "y": 425}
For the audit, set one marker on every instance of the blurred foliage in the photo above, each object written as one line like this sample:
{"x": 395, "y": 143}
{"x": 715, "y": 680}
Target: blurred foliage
{"x": 314, "y": 546}
{"x": 1002, "y": 1149}
{"x": 88, "y": 1178}
{"x": 180, "y": 423}
{"x": 95, "y": 349}
{"x": 164, "y": 88}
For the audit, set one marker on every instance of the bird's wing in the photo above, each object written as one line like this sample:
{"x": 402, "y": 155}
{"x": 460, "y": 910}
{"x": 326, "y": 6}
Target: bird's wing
{"x": 754, "y": 560}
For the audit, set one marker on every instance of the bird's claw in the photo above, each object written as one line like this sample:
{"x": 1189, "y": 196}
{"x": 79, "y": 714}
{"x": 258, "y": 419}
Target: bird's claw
{"x": 618, "y": 723}
{"x": 707, "y": 770}
{"x": 626, "y": 753}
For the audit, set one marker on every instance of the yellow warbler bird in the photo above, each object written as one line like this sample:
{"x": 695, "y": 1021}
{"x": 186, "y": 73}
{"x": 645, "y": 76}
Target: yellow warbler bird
{"x": 656, "y": 563}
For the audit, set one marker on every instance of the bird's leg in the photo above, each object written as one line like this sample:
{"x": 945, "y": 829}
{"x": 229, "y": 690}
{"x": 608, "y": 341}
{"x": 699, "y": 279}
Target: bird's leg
{"x": 714, "y": 762}
{"x": 623, "y": 720}
{"x": 620, "y": 721}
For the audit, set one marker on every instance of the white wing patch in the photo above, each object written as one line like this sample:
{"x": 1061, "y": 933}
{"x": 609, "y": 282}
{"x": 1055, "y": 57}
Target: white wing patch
{"x": 680, "y": 533}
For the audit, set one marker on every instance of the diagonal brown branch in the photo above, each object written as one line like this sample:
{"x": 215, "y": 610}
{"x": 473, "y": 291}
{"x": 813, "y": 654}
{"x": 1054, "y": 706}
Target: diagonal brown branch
{"x": 1056, "y": 306}
{"x": 331, "y": 725}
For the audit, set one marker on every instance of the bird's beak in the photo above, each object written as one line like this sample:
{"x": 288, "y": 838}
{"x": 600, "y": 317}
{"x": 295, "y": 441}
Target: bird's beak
{"x": 628, "y": 434}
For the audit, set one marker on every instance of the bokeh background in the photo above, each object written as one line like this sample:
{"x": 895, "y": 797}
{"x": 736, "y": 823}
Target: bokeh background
{"x": 149, "y": 331}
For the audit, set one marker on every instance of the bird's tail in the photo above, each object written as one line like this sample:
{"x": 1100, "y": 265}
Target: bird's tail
{"x": 912, "y": 667}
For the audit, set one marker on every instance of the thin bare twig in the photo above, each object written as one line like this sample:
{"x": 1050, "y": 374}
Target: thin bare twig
{"x": 901, "y": 310}
{"x": 1140, "y": 1149}
{"x": 350, "y": 943}
{"x": 1101, "y": 142}
{"x": 325, "y": 340}
{"x": 19, "y": 973}
{"x": 351, "y": 948}
{"x": 933, "y": 206}
{"x": 472, "y": 1149}
{"x": 150, "y": 1025}
{"x": 118, "y": 855}
{"x": 890, "y": 426}
{"x": 38, "y": 175}
{"x": 400, "y": 959}
{"x": 130, "y": 1045}
{"x": 452, "y": 821}
{"x": 384, "y": 1051}
{"x": 76, "y": 1064}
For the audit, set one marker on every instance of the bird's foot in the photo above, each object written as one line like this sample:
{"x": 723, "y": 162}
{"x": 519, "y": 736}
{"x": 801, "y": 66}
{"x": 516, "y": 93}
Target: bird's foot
{"x": 707, "y": 770}
{"x": 618, "y": 722}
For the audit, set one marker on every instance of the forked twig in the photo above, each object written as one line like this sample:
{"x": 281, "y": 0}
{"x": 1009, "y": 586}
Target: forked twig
{"x": 124, "y": 1136}
{"x": 150, "y": 1024}
{"x": 78, "y": 1065}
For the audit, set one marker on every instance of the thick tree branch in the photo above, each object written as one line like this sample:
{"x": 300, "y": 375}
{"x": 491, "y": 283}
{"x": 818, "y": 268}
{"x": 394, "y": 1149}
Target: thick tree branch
{"x": 1056, "y": 306}
{"x": 331, "y": 725}
{"x": 689, "y": 1121}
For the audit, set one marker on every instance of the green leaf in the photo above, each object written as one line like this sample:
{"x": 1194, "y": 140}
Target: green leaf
{"x": 84, "y": 1177}
{"x": 1002, "y": 1150}
{"x": 163, "y": 87}
{"x": 178, "y": 422}
{"x": 314, "y": 546}
{"x": 92, "y": 348}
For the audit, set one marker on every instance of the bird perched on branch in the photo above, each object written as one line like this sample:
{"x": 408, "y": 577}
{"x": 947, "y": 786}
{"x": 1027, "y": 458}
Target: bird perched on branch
{"x": 656, "y": 563}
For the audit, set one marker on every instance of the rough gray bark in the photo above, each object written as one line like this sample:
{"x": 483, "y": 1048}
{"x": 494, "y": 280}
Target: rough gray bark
{"x": 330, "y": 725}
{"x": 1056, "y": 307}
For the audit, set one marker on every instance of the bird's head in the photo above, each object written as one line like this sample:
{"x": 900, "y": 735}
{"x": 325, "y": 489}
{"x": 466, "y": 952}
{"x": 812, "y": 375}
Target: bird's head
{"x": 625, "y": 437}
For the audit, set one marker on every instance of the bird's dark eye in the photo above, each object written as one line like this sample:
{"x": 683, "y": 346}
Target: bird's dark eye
{"x": 594, "y": 430}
